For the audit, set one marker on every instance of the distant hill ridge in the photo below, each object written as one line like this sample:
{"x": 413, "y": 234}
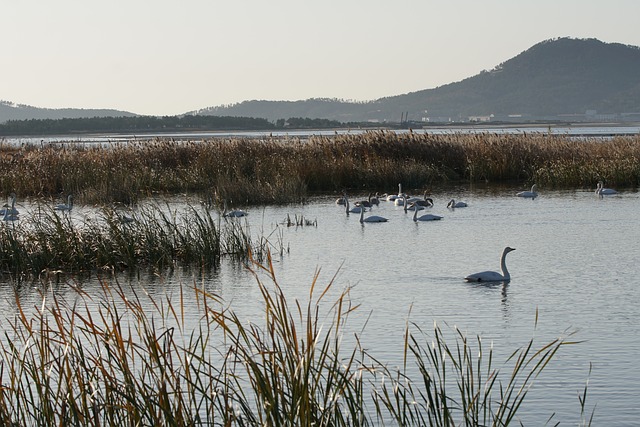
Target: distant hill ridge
{"x": 558, "y": 78}
{"x": 11, "y": 111}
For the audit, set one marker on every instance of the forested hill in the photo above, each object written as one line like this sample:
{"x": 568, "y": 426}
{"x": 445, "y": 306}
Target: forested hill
{"x": 11, "y": 111}
{"x": 555, "y": 77}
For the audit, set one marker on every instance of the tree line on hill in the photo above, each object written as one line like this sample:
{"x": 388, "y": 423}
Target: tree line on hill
{"x": 145, "y": 124}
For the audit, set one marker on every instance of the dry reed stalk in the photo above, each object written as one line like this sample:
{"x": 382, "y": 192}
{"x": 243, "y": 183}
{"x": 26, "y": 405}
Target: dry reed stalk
{"x": 284, "y": 170}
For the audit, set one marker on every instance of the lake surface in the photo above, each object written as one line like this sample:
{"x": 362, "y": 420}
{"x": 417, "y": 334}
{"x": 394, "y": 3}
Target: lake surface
{"x": 575, "y": 268}
{"x": 596, "y": 131}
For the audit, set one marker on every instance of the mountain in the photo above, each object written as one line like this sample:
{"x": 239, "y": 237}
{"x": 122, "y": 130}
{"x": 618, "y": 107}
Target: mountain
{"x": 564, "y": 77}
{"x": 559, "y": 79}
{"x": 11, "y": 111}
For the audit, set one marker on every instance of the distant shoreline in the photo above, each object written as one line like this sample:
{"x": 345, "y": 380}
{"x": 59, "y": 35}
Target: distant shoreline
{"x": 575, "y": 129}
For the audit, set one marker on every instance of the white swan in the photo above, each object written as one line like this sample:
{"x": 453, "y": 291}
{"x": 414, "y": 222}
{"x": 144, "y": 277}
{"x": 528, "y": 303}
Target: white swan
{"x": 531, "y": 194}
{"x": 125, "y": 219}
{"x": 426, "y": 201}
{"x": 10, "y": 208}
{"x": 393, "y": 197}
{"x": 10, "y": 213}
{"x": 366, "y": 203}
{"x": 65, "y": 207}
{"x": 602, "y": 191}
{"x": 411, "y": 207}
{"x": 8, "y": 216}
{"x": 238, "y": 213}
{"x": 425, "y": 217}
{"x": 355, "y": 209}
{"x": 372, "y": 218}
{"x": 493, "y": 276}
{"x": 453, "y": 204}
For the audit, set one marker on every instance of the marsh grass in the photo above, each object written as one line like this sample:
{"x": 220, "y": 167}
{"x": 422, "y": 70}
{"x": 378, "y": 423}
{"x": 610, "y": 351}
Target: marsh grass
{"x": 286, "y": 170}
{"x": 158, "y": 236}
{"x": 299, "y": 221}
{"x": 123, "y": 357}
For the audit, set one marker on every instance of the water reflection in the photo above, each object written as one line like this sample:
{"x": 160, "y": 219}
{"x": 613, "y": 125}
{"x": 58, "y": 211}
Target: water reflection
{"x": 493, "y": 288}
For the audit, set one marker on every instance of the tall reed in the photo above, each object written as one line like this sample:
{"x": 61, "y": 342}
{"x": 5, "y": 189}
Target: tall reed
{"x": 283, "y": 170}
{"x": 160, "y": 237}
{"x": 123, "y": 357}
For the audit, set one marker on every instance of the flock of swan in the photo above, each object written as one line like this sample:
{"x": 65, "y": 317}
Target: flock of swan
{"x": 10, "y": 213}
{"x": 416, "y": 204}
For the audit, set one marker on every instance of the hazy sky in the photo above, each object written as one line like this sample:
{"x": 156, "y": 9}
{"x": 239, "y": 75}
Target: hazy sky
{"x": 165, "y": 57}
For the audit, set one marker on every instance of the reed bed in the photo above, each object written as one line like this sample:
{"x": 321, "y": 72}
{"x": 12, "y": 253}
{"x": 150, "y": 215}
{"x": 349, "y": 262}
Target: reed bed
{"x": 284, "y": 170}
{"x": 45, "y": 241}
{"x": 121, "y": 357}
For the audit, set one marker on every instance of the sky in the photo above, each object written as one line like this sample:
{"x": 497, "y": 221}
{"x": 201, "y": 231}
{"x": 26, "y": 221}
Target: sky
{"x": 160, "y": 57}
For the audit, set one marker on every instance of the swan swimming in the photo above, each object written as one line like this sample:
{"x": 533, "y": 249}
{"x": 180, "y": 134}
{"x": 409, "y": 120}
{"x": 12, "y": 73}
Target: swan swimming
{"x": 366, "y": 203}
{"x": 453, "y": 204}
{"x": 393, "y": 197}
{"x": 10, "y": 208}
{"x": 126, "y": 219}
{"x": 426, "y": 201}
{"x": 531, "y": 194}
{"x": 602, "y": 191}
{"x": 493, "y": 276}
{"x": 425, "y": 217}
{"x": 372, "y": 218}
{"x": 238, "y": 213}
{"x": 355, "y": 209}
{"x": 65, "y": 207}
{"x": 411, "y": 207}
{"x": 10, "y": 214}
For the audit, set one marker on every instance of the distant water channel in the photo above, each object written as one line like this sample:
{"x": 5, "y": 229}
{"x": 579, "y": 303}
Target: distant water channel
{"x": 577, "y": 131}
{"x": 575, "y": 268}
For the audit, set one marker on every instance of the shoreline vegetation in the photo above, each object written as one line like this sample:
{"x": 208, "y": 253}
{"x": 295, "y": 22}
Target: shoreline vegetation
{"x": 281, "y": 170}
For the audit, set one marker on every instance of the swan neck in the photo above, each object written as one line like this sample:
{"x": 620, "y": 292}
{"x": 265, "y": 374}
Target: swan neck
{"x": 503, "y": 265}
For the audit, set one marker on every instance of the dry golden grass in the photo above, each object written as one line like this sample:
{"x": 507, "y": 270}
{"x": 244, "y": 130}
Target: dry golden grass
{"x": 284, "y": 170}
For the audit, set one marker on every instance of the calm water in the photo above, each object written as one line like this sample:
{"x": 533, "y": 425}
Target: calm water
{"x": 591, "y": 131}
{"x": 576, "y": 266}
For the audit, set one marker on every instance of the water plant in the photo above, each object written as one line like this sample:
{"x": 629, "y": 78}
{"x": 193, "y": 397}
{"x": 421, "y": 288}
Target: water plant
{"x": 158, "y": 236}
